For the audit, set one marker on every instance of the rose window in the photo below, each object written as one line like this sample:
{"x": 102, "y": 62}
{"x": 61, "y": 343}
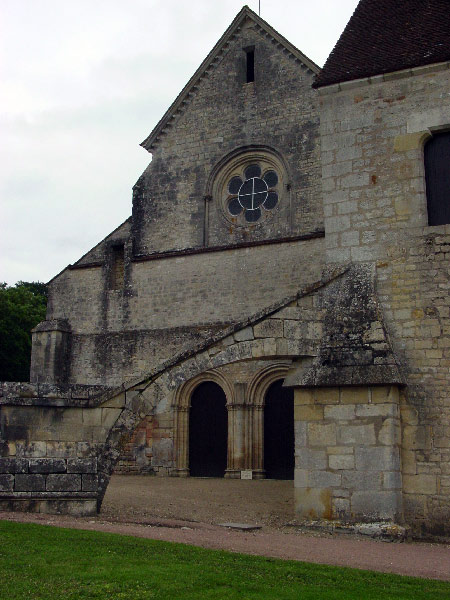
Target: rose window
{"x": 252, "y": 193}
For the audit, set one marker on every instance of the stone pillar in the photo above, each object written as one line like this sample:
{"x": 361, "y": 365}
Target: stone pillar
{"x": 238, "y": 446}
{"x": 257, "y": 414}
{"x": 181, "y": 441}
{"x": 50, "y": 353}
{"x": 347, "y": 453}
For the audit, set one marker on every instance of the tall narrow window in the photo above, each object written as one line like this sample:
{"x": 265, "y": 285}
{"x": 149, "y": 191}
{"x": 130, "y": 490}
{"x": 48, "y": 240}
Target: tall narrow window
{"x": 117, "y": 267}
{"x": 437, "y": 175}
{"x": 250, "y": 54}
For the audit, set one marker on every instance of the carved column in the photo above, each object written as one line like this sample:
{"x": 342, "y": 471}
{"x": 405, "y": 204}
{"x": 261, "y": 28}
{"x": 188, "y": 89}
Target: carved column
{"x": 258, "y": 442}
{"x": 237, "y": 433}
{"x": 182, "y": 441}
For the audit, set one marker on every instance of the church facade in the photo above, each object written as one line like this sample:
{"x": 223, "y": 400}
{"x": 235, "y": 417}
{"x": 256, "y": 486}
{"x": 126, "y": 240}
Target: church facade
{"x": 277, "y": 303}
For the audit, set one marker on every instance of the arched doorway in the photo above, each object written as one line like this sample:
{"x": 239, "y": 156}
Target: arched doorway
{"x": 279, "y": 445}
{"x": 208, "y": 431}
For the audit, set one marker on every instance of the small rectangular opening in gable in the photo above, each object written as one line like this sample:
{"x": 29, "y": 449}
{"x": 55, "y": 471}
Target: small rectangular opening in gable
{"x": 250, "y": 60}
{"x": 118, "y": 267}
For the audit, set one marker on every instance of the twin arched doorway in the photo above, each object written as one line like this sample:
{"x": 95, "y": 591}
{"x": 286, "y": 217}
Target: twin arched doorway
{"x": 209, "y": 449}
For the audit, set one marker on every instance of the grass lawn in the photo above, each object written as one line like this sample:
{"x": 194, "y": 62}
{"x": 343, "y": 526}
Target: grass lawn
{"x": 40, "y": 562}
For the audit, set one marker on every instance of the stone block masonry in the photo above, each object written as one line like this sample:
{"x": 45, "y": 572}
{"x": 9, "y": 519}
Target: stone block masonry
{"x": 69, "y": 445}
{"x": 49, "y": 485}
{"x": 378, "y": 185}
{"x": 347, "y": 463}
{"x": 340, "y": 287}
{"x": 176, "y": 289}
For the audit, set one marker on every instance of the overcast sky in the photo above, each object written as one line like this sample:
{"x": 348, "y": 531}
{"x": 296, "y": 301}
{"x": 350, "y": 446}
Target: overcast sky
{"x": 83, "y": 82}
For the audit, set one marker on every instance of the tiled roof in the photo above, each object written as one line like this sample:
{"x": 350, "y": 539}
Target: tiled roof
{"x": 384, "y": 36}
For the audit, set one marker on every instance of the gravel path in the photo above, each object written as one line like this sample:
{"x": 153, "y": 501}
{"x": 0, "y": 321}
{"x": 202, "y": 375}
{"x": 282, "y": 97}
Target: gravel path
{"x": 189, "y": 510}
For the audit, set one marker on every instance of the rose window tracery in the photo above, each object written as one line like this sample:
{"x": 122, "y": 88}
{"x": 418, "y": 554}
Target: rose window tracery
{"x": 252, "y": 192}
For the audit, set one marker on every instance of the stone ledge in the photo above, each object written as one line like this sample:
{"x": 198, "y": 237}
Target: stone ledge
{"x": 382, "y": 530}
{"x": 15, "y": 393}
{"x": 47, "y": 466}
{"x": 83, "y": 506}
{"x": 47, "y": 494}
{"x": 53, "y": 325}
{"x": 319, "y": 233}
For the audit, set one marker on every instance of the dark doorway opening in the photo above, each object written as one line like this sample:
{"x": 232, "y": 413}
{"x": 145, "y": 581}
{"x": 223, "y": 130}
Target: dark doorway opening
{"x": 279, "y": 445}
{"x": 208, "y": 431}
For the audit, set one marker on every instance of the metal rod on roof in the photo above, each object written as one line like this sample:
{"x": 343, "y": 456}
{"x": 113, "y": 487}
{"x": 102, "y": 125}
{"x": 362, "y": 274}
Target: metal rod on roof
{"x": 259, "y": 7}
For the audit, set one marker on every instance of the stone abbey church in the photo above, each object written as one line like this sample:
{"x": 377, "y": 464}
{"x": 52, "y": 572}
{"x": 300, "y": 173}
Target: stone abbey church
{"x": 277, "y": 305}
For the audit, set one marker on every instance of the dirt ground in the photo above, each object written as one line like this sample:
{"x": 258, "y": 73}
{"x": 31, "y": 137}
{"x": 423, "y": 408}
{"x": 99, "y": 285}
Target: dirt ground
{"x": 190, "y": 510}
{"x": 267, "y": 502}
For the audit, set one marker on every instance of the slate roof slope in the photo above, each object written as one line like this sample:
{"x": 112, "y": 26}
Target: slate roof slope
{"x": 384, "y": 36}
{"x": 182, "y": 99}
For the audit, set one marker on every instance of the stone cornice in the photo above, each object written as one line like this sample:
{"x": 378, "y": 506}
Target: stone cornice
{"x": 319, "y": 233}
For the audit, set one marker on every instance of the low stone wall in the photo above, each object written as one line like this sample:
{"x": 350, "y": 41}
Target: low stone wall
{"x": 348, "y": 453}
{"x": 63, "y": 485}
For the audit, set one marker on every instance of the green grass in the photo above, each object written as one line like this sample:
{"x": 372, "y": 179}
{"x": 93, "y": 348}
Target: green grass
{"x": 39, "y": 562}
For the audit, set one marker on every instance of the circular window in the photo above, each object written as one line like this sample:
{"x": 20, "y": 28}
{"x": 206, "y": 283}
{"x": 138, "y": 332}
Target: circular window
{"x": 249, "y": 187}
{"x": 252, "y": 192}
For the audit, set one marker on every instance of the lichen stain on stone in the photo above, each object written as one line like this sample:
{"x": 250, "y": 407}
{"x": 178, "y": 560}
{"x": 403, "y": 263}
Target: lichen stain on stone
{"x": 325, "y": 496}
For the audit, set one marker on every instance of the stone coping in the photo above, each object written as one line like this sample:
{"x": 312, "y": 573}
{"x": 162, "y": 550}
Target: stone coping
{"x": 47, "y": 495}
{"x": 47, "y": 394}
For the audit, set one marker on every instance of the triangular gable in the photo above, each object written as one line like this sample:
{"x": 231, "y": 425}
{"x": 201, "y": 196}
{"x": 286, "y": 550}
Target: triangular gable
{"x": 233, "y": 29}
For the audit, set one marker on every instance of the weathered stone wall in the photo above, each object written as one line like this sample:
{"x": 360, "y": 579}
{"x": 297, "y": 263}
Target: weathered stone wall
{"x": 165, "y": 304}
{"x": 168, "y": 304}
{"x": 287, "y": 337}
{"x": 348, "y": 453}
{"x": 375, "y": 210}
{"x": 48, "y": 451}
{"x": 221, "y": 114}
{"x": 150, "y": 447}
{"x": 47, "y": 422}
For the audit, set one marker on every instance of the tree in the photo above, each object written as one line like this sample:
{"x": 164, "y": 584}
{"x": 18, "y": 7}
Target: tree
{"x": 22, "y": 307}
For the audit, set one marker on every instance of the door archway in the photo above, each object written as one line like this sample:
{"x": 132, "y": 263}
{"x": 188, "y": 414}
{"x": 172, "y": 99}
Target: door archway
{"x": 208, "y": 431}
{"x": 279, "y": 440}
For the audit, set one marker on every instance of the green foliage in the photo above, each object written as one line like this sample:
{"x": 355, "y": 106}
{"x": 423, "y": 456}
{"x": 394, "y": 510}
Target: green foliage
{"x": 49, "y": 563}
{"x": 22, "y": 307}
{"x": 38, "y": 288}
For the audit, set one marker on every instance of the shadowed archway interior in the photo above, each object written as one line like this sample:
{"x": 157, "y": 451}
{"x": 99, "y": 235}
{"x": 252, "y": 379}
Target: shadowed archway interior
{"x": 279, "y": 459}
{"x": 208, "y": 431}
